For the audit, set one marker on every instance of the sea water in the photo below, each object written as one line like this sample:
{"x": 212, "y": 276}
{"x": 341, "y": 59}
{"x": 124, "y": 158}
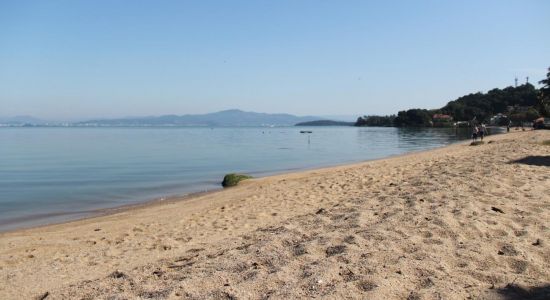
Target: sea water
{"x": 57, "y": 174}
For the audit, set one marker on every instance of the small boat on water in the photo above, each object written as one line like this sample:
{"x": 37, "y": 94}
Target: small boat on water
{"x": 306, "y": 131}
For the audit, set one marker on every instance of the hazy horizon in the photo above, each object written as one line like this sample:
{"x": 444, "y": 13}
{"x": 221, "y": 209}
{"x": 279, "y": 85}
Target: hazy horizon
{"x": 350, "y": 117}
{"x": 69, "y": 60}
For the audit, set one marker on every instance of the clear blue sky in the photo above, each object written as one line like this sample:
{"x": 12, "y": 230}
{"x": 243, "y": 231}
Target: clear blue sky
{"x": 64, "y": 59}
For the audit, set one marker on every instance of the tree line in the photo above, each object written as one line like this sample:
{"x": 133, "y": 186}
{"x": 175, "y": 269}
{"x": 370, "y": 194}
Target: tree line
{"x": 516, "y": 104}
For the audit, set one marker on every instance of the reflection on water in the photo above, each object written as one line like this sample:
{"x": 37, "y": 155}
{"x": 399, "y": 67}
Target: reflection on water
{"x": 68, "y": 171}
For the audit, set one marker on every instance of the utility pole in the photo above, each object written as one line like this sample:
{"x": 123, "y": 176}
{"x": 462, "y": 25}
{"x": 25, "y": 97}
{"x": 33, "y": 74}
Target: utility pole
{"x": 527, "y": 80}
{"x": 516, "y": 80}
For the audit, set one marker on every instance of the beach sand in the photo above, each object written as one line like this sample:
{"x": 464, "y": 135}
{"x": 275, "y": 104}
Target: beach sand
{"x": 452, "y": 223}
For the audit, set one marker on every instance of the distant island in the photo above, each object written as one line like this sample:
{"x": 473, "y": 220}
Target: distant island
{"x": 325, "y": 123}
{"x": 231, "y": 117}
{"x": 23, "y": 120}
{"x": 226, "y": 118}
{"x": 499, "y": 107}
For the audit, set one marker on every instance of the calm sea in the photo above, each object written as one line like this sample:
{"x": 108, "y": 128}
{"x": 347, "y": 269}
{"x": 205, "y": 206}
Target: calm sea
{"x": 56, "y": 174}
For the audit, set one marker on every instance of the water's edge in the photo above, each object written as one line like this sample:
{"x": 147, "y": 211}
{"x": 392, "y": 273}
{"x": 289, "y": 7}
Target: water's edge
{"x": 39, "y": 220}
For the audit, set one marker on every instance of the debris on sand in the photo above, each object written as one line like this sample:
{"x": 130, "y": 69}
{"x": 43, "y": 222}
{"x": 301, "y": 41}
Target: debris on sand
{"x": 497, "y": 209}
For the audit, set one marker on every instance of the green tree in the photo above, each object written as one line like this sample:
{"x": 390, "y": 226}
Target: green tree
{"x": 483, "y": 106}
{"x": 544, "y": 96}
{"x": 378, "y": 121}
{"x": 413, "y": 117}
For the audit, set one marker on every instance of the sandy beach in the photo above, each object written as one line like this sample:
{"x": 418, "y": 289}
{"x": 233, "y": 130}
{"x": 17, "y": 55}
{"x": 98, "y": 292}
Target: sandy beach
{"x": 460, "y": 222}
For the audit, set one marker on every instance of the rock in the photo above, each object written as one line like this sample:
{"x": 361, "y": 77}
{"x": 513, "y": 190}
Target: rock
{"x": 43, "y": 296}
{"x": 497, "y": 209}
{"x": 233, "y": 179}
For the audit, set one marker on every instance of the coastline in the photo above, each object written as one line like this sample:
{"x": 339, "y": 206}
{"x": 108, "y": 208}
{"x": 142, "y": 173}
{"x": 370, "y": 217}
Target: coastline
{"x": 101, "y": 212}
{"x": 74, "y": 216}
{"x": 268, "y": 211}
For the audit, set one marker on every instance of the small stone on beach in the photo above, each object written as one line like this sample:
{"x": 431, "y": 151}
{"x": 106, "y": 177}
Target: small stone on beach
{"x": 497, "y": 209}
{"x": 43, "y": 296}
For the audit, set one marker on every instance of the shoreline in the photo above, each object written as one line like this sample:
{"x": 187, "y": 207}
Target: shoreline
{"x": 415, "y": 224}
{"x": 101, "y": 212}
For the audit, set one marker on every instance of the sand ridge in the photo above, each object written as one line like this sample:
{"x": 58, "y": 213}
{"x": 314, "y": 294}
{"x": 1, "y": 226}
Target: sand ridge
{"x": 453, "y": 223}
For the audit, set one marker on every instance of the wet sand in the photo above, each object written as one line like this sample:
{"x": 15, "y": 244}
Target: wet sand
{"x": 456, "y": 222}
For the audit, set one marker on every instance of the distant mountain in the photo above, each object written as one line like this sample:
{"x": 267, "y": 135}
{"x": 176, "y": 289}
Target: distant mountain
{"x": 20, "y": 120}
{"x": 232, "y": 117}
{"x": 325, "y": 123}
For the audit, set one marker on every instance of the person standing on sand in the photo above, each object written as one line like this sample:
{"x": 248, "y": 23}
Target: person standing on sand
{"x": 474, "y": 133}
{"x": 482, "y": 131}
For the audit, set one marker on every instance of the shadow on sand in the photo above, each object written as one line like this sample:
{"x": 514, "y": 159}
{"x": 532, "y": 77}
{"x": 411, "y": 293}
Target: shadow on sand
{"x": 512, "y": 292}
{"x": 534, "y": 160}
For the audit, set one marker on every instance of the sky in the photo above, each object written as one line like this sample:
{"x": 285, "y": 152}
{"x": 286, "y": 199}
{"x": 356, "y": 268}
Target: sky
{"x": 85, "y": 59}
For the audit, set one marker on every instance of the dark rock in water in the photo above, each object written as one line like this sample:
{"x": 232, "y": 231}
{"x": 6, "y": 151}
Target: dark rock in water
{"x": 233, "y": 179}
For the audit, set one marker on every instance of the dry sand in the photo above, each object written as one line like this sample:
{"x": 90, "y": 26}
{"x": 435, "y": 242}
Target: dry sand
{"x": 453, "y": 223}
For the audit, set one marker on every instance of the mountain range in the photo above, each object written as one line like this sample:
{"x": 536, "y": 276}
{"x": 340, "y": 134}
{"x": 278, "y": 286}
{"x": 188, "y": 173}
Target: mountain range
{"x": 231, "y": 117}
{"x": 20, "y": 120}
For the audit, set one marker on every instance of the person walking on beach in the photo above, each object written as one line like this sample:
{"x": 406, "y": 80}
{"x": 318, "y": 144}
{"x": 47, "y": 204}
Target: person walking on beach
{"x": 474, "y": 133}
{"x": 482, "y": 131}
